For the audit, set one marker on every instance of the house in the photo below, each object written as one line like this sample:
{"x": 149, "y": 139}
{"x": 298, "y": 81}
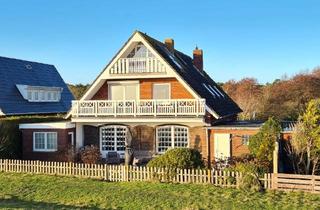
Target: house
{"x": 231, "y": 139}
{"x": 31, "y": 88}
{"x": 164, "y": 97}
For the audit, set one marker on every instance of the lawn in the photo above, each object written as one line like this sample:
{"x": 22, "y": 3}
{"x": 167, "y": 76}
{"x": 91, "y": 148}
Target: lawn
{"x": 51, "y": 192}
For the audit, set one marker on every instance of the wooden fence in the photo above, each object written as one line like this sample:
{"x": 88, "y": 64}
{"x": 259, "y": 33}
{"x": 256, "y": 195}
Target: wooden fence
{"x": 296, "y": 182}
{"x": 117, "y": 173}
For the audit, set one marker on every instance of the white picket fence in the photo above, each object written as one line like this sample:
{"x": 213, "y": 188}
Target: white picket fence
{"x": 116, "y": 173}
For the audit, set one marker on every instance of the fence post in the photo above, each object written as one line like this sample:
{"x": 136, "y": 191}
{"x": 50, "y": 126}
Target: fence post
{"x": 275, "y": 158}
{"x": 313, "y": 183}
{"x": 274, "y": 184}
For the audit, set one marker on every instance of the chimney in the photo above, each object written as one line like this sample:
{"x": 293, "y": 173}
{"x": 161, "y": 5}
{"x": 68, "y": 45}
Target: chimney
{"x": 198, "y": 58}
{"x": 169, "y": 44}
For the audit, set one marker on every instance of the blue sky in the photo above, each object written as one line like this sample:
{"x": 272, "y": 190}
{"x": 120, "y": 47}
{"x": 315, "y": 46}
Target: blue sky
{"x": 262, "y": 39}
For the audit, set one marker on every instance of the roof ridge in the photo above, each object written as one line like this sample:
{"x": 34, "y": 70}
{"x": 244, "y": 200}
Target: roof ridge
{"x": 17, "y": 59}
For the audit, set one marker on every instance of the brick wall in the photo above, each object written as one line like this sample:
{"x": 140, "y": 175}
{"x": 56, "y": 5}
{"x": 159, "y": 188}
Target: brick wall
{"x": 91, "y": 135}
{"x": 198, "y": 140}
{"x": 102, "y": 93}
{"x": 27, "y": 145}
{"x": 237, "y": 148}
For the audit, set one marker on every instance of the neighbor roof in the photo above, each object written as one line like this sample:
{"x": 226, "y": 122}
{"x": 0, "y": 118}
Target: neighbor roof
{"x": 223, "y": 105}
{"x": 14, "y": 71}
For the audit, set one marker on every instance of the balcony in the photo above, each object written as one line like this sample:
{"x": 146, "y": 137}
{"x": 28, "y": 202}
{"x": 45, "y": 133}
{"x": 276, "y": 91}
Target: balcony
{"x": 136, "y": 108}
{"x": 137, "y": 65}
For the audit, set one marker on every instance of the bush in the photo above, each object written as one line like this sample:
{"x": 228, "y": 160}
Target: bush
{"x": 261, "y": 145}
{"x": 69, "y": 154}
{"x": 90, "y": 154}
{"x": 182, "y": 158}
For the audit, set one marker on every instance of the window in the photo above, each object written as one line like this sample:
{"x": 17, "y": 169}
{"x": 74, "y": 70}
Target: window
{"x": 171, "y": 137}
{"x": 29, "y": 95}
{"x": 49, "y": 96}
{"x": 140, "y": 51}
{"x": 245, "y": 139}
{"x": 36, "y": 97}
{"x": 45, "y": 141}
{"x": 113, "y": 138}
{"x": 161, "y": 91}
{"x": 124, "y": 91}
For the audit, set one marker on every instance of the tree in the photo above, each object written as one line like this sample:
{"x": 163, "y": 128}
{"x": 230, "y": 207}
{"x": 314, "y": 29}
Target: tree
{"x": 287, "y": 98}
{"x": 306, "y": 139}
{"x": 246, "y": 93}
{"x": 261, "y": 145}
{"x": 78, "y": 90}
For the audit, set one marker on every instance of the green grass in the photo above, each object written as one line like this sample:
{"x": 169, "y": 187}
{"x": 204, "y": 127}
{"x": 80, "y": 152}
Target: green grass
{"x": 49, "y": 192}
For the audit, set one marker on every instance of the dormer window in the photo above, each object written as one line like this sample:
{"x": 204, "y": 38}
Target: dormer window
{"x": 40, "y": 93}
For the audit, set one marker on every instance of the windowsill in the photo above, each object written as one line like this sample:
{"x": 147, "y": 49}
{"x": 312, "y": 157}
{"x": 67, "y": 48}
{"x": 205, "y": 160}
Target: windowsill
{"x": 44, "y": 150}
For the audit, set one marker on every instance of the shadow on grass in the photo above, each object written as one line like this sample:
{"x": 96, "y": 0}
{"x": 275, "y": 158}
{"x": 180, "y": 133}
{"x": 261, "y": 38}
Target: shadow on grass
{"x": 15, "y": 202}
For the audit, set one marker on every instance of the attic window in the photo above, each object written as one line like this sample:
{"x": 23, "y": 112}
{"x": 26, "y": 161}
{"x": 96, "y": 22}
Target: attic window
{"x": 28, "y": 66}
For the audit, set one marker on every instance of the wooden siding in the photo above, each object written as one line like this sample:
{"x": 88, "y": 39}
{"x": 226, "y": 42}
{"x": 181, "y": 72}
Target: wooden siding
{"x": 177, "y": 89}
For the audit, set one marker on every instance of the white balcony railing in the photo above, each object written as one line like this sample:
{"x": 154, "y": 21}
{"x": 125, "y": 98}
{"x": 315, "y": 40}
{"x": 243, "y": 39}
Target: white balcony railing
{"x": 137, "y": 65}
{"x": 100, "y": 108}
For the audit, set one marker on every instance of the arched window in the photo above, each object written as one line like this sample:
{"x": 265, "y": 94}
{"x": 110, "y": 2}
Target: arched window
{"x": 113, "y": 138}
{"x": 171, "y": 136}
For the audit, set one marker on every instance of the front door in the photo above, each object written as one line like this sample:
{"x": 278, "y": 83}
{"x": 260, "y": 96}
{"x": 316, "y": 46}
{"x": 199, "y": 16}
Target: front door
{"x": 222, "y": 146}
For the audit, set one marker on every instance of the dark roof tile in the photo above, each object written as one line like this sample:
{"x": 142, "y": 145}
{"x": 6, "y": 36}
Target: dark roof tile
{"x": 15, "y": 71}
{"x": 223, "y": 105}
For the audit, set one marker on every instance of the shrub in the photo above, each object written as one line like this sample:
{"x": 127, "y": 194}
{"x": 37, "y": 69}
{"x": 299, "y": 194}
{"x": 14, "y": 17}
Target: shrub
{"x": 251, "y": 172}
{"x": 261, "y": 145}
{"x": 69, "y": 154}
{"x": 90, "y": 154}
{"x": 182, "y": 158}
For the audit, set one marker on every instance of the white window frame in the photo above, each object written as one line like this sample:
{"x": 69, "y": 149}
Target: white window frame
{"x": 161, "y": 84}
{"x": 123, "y": 84}
{"x": 245, "y": 137}
{"x": 45, "y": 142}
{"x": 103, "y": 152}
{"x": 172, "y": 137}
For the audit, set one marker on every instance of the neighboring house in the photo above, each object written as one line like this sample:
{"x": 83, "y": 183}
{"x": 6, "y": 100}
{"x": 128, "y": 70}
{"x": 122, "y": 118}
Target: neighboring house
{"x": 164, "y": 97}
{"x": 232, "y": 138}
{"x": 29, "y": 88}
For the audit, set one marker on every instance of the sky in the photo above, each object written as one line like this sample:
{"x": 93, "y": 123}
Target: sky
{"x": 248, "y": 38}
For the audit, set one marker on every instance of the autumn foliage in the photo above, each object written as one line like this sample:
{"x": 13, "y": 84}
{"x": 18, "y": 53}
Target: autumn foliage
{"x": 284, "y": 98}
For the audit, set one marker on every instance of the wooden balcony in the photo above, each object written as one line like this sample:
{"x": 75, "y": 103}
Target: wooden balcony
{"x": 136, "y": 108}
{"x": 137, "y": 65}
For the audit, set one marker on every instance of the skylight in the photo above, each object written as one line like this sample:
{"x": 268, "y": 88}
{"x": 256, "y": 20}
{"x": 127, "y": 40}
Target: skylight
{"x": 219, "y": 91}
{"x": 208, "y": 89}
{"x": 213, "y": 90}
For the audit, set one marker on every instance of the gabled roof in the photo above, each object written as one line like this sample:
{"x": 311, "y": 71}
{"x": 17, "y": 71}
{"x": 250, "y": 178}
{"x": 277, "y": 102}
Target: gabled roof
{"x": 223, "y": 105}
{"x": 14, "y": 71}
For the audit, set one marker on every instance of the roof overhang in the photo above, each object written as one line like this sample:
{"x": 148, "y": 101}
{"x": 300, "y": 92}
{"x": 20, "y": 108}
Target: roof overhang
{"x": 47, "y": 125}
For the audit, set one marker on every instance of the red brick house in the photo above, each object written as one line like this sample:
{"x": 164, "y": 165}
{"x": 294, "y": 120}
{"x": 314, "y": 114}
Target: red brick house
{"x": 162, "y": 95}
